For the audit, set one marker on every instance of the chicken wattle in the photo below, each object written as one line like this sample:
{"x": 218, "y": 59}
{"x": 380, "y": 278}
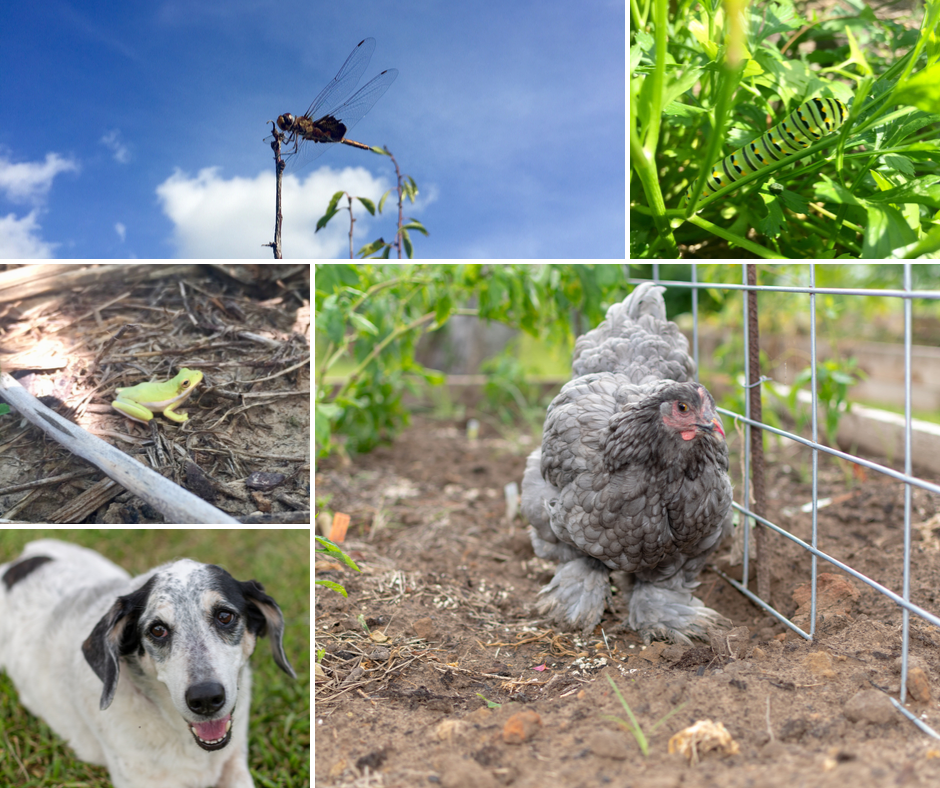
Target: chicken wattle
{"x": 632, "y": 474}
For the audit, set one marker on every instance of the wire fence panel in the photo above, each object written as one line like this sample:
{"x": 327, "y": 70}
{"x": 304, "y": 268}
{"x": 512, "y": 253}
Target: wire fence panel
{"x": 907, "y": 295}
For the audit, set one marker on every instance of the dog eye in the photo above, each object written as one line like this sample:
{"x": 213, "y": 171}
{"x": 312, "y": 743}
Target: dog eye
{"x": 225, "y": 617}
{"x": 159, "y": 631}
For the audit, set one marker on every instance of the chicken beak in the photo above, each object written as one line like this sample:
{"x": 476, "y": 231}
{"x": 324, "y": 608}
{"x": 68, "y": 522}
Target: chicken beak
{"x": 712, "y": 426}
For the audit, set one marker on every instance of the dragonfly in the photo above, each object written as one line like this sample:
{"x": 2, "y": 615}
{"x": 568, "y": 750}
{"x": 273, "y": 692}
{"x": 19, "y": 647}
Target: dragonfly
{"x": 325, "y": 124}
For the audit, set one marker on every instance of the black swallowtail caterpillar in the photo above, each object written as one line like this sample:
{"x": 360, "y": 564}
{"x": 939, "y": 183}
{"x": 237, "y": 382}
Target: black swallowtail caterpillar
{"x": 806, "y": 124}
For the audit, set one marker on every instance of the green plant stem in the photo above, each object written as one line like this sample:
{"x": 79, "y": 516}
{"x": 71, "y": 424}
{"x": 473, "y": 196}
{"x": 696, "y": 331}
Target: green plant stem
{"x": 380, "y": 347}
{"x": 391, "y": 338}
{"x": 738, "y": 240}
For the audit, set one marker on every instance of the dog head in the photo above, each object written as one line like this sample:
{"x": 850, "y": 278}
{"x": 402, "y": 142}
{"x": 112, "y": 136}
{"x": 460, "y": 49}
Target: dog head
{"x": 184, "y": 636}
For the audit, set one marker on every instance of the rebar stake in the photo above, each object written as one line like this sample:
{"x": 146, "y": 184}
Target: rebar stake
{"x": 757, "y": 439}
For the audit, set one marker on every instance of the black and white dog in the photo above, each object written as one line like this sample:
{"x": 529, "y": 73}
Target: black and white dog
{"x": 148, "y": 676}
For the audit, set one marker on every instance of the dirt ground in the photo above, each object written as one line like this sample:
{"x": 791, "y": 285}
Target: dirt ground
{"x": 454, "y": 682}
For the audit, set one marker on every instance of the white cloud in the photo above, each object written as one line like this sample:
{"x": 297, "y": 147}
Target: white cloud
{"x": 112, "y": 141}
{"x": 29, "y": 182}
{"x": 19, "y": 238}
{"x": 121, "y": 231}
{"x": 214, "y": 217}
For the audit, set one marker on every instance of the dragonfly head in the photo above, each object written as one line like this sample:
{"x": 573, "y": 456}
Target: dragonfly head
{"x": 285, "y": 122}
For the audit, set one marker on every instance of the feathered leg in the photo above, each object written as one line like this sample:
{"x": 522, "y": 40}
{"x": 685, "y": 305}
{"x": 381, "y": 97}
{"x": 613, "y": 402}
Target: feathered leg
{"x": 580, "y": 590}
{"x": 577, "y": 595}
{"x": 666, "y": 610}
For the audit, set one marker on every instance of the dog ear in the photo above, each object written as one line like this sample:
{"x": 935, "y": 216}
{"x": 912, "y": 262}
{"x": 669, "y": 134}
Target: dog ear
{"x": 114, "y": 636}
{"x": 264, "y": 617}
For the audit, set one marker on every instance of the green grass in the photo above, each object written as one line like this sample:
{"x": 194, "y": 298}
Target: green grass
{"x": 633, "y": 726}
{"x": 32, "y": 756}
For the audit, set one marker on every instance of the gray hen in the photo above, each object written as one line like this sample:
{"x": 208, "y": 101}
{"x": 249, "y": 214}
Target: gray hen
{"x": 632, "y": 474}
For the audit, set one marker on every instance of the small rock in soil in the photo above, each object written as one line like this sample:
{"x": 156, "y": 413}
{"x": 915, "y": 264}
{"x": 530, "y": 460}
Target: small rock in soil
{"x": 869, "y": 706}
{"x": 918, "y": 685}
{"x": 819, "y": 663}
{"x": 521, "y": 727}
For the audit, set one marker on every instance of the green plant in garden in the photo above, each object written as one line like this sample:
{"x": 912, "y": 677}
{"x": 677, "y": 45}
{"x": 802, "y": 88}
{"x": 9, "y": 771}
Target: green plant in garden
{"x": 508, "y": 391}
{"x": 834, "y": 377}
{"x": 334, "y": 551}
{"x": 490, "y": 704}
{"x": 369, "y": 318}
{"x": 633, "y": 726}
{"x": 710, "y": 77}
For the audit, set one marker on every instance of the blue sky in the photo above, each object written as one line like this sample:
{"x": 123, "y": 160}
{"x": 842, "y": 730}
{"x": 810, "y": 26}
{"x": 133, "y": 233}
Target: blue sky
{"x": 136, "y": 129}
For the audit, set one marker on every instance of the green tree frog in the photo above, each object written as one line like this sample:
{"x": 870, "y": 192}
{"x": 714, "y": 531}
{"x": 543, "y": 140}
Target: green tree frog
{"x": 140, "y": 401}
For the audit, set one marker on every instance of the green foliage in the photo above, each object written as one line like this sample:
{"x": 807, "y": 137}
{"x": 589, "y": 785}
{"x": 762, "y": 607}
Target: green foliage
{"x": 507, "y": 390}
{"x": 633, "y": 726}
{"x": 370, "y": 317}
{"x": 834, "y": 377}
{"x": 490, "y": 704}
{"x": 333, "y": 550}
{"x": 707, "y": 78}
{"x": 379, "y": 248}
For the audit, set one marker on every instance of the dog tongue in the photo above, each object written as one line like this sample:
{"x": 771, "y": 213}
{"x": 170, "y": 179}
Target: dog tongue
{"x": 211, "y": 731}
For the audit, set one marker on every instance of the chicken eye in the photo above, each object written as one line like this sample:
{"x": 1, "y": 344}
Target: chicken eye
{"x": 683, "y": 407}
{"x": 159, "y": 631}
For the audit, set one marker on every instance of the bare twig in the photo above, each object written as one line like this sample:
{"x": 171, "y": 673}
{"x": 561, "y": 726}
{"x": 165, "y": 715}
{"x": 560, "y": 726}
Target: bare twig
{"x": 279, "y": 166}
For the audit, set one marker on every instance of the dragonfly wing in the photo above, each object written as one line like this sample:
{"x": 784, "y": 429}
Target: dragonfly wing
{"x": 306, "y": 152}
{"x": 347, "y": 78}
{"x": 353, "y": 110}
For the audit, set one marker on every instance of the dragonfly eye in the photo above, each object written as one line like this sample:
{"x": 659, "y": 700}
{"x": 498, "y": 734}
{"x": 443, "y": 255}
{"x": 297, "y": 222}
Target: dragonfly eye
{"x": 285, "y": 121}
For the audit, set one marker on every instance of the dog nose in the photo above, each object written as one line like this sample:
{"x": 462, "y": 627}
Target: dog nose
{"x": 205, "y": 698}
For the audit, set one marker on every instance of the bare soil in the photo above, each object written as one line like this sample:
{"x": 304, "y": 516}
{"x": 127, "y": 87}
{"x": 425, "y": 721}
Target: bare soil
{"x": 454, "y": 682}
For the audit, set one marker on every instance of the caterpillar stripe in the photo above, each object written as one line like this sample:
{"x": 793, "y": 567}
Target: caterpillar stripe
{"x": 806, "y": 124}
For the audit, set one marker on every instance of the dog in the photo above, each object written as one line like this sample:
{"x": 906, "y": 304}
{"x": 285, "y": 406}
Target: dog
{"x": 148, "y": 676}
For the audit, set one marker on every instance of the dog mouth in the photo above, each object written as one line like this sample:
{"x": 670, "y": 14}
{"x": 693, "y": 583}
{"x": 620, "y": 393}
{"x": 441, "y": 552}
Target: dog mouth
{"x": 212, "y": 735}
